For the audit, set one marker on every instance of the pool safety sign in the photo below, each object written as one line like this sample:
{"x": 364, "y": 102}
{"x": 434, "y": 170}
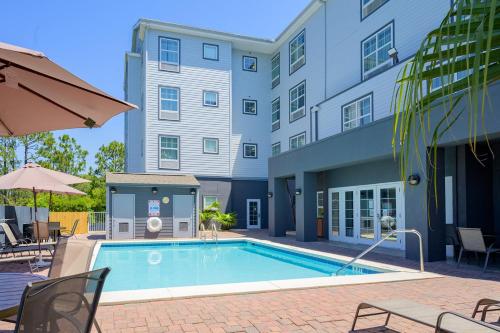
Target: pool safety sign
{"x": 153, "y": 208}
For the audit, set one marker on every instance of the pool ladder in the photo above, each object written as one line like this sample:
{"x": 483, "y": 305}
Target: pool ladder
{"x": 213, "y": 229}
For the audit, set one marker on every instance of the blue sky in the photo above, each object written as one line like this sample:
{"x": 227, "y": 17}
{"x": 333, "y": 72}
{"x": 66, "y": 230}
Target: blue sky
{"x": 90, "y": 37}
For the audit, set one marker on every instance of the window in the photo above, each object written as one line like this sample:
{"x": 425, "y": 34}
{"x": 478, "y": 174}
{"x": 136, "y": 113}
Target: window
{"x": 169, "y": 103}
{"x": 210, "y": 51}
{"x": 275, "y": 114}
{"x": 249, "y": 150}
{"x": 169, "y": 152}
{"x": 250, "y": 106}
{"x": 275, "y": 70}
{"x": 298, "y": 141}
{"x": 208, "y": 200}
{"x": 210, "y": 146}
{"x": 376, "y": 51}
{"x": 357, "y": 113}
{"x": 276, "y": 149}
{"x": 211, "y": 98}
{"x": 298, "y": 101}
{"x": 369, "y": 6}
{"x": 439, "y": 82}
{"x": 320, "y": 206}
{"x": 169, "y": 54}
{"x": 249, "y": 64}
{"x": 297, "y": 49}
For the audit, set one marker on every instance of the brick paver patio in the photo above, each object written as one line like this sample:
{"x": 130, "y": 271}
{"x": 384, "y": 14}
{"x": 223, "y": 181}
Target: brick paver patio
{"x": 329, "y": 309}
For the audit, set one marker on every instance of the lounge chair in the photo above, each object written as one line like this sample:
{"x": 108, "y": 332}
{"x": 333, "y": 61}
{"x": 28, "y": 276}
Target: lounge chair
{"x": 67, "y": 304}
{"x": 27, "y": 259}
{"x": 73, "y": 230}
{"x": 472, "y": 240}
{"x": 13, "y": 246}
{"x": 486, "y": 305}
{"x": 442, "y": 321}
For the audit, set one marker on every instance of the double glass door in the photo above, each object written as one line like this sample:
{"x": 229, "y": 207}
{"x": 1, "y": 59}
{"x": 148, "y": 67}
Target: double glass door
{"x": 365, "y": 214}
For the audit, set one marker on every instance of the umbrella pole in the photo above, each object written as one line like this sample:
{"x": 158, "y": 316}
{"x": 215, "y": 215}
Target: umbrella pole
{"x": 50, "y": 204}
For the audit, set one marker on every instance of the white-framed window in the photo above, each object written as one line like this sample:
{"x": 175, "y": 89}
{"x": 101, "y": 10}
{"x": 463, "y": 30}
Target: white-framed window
{"x": 169, "y": 54}
{"x": 211, "y": 98}
{"x": 249, "y": 64}
{"x": 275, "y": 70}
{"x": 439, "y": 82}
{"x": 250, "y": 106}
{"x": 210, "y": 51}
{"x": 208, "y": 200}
{"x": 376, "y": 51}
{"x": 369, "y": 6}
{"x": 210, "y": 146}
{"x": 276, "y": 149}
{"x": 320, "y": 205}
{"x": 249, "y": 150}
{"x": 169, "y": 103}
{"x": 357, "y": 113}
{"x": 168, "y": 152}
{"x": 275, "y": 114}
{"x": 298, "y": 141}
{"x": 298, "y": 101}
{"x": 297, "y": 48}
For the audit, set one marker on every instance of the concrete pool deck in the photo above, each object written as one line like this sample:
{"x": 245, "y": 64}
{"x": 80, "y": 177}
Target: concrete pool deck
{"x": 325, "y": 309}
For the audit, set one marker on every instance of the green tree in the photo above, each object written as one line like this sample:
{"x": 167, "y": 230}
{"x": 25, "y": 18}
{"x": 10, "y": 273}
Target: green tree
{"x": 8, "y": 158}
{"x": 110, "y": 158}
{"x": 62, "y": 154}
{"x": 30, "y": 144}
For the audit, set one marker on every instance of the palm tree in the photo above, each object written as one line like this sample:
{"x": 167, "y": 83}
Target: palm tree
{"x": 455, "y": 62}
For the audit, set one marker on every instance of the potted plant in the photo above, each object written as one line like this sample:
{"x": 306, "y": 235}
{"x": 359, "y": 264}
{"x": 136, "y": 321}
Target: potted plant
{"x": 213, "y": 215}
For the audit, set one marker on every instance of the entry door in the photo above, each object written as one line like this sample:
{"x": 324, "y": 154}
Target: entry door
{"x": 253, "y": 213}
{"x": 183, "y": 218}
{"x": 390, "y": 213}
{"x": 342, "y": 214}
{"x": 123, "y": 216}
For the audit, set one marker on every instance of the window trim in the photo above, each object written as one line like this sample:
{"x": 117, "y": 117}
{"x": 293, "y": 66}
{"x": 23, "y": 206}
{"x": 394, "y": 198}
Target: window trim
{"x": 370, "y": 94}
{"x": 361, "y": 9}
{"x": 273, "y": 145}
{"x": 207, "y": 152}
{"x": 209, "y": 195}
{"x": 295, "y": 136}
{"x": 290, "y": 102}
{"x": 393, "y": 34}
{"x": 279, "y": 112}
{"x": 217, "y": 99}
{"x": 243, "y": 63}
{"x": 277, "y": 55}
{"x": 178, "y": 103}
{"x": 256, "y": 106}
{"x": 290, "y": 53}
{"x": 256, "y": 150}
{"x": 178, "y": 53}
{"x": 203, "y": 51}
{"x": 178, "y": 151}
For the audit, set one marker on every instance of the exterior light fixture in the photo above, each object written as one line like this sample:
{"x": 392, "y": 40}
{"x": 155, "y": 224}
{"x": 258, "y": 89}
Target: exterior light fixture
{"x": 154, "y": 190}
{"x": 298, "y": 191}
{"x": 193, "y": 191}
{"x": 269, "y": 195}
{"x": 393, "y": 53}
{"x": 112, "y": 189}
{"x": 414, "y": 179}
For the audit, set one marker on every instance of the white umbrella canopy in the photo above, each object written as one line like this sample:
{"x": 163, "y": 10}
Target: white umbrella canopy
{"x": 37, "y": 95}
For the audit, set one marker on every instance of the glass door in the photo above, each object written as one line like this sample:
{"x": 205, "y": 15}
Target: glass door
{"x": 389, "y": 213}
{"x": 342, "y": 217}
{"x": 334, "y": 216}
{"x": 367, "y": 215}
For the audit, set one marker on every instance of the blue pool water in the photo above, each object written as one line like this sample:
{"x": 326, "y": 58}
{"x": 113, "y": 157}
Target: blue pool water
{"x": 162, "y": 265}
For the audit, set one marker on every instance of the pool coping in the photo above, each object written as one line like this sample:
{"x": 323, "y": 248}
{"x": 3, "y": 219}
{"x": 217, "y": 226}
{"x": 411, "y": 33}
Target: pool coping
{"x": 395, "y": 274}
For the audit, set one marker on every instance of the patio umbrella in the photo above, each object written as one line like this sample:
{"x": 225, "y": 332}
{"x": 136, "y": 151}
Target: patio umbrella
{"x": 37, "y": 179}
{"x": 37, "y": 95}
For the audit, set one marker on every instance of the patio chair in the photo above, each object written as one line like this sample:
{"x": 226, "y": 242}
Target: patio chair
{"x": 12, "y": 245}
{"x": 485, "y": 305}
{"x": 442, "y": 321}
{"x": 26, "y": 259}
{"x": 17, "y": 233}
{"x": 73, "y": 230}
{"x": 67, "y": 304}
{"x": 71, "y": 256}
{"x": 472, "y": 240}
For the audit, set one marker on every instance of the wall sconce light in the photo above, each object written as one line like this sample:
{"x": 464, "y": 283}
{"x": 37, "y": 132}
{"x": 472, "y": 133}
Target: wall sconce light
{"x": 112, "y": 190}
{"x": 269, "y": 195}
{"x": 193, "y": 191}
{"x": 154, "y": 190}
{"x": 298, "y": 191}
{"x": 393, "y": 53}
{"x": 414, "y": 179}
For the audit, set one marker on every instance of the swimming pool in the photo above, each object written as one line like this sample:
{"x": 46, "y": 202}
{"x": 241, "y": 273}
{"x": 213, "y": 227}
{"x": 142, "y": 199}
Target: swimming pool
{"x": 177, "y": 264}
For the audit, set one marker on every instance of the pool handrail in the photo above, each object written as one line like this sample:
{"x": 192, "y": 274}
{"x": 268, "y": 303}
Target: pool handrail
{"x": 392, "y": 233}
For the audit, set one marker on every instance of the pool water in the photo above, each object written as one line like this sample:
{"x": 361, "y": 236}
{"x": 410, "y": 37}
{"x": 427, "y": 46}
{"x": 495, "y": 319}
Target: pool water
{"x": 162, "y": 265}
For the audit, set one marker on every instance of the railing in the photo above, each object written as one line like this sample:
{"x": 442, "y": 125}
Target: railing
{"x": 392, "y": 233}
{"x": 213, "y": 230}
{"x": 97, "y": 222}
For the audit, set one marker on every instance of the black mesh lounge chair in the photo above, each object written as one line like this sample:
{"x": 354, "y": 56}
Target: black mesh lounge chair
{"x": 442, "y": 321}
{"x": 18, "y": 234}
{"x": 14, "y": 246}
{"x": 66, "y": 304}
{"x": 73, "y": 230}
